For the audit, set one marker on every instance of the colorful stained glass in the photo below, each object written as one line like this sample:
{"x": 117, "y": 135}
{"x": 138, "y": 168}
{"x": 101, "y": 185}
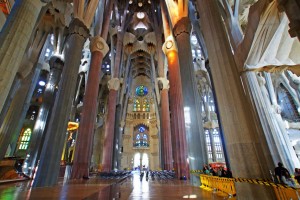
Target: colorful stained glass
{"x": 141, "y": 90}
{"x": 142, "y": 129}
{"x": 24, "y": 139}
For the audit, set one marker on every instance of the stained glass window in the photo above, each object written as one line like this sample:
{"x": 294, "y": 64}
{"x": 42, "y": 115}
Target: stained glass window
{"x": 146, "y": 106}
{"x": 141, "y": 90}
{"x": 136, "y": 105}
{"x": 141, "y": 137}
{"x": 145, "y": 137}
{"x": 142, "y": 129}
{"x": 24, "y": 139}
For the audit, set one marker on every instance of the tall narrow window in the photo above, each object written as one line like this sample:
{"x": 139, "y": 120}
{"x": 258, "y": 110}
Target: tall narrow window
{"x": 136, "y": 105}
{"x": 146, "y": 106}
{"x": 24, "y": 139}
{"x": 141, "y": 138}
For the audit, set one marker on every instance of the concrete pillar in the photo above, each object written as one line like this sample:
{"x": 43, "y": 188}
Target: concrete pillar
{"x": 38, "y": 136}
{"x": 179, "y": 145}
{"x": 15, "y": 33}
{"x": 84, "y": 141}
{"x": 49, "y": 164}
{"x": 193, "y": 120}
{"x": 165, "y": 126}
{"x": 16, "y": 114}
{"x": 244, "y": 140}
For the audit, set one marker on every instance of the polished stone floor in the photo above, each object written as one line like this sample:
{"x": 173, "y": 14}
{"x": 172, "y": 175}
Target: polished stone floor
{"x": 130, "y": 188}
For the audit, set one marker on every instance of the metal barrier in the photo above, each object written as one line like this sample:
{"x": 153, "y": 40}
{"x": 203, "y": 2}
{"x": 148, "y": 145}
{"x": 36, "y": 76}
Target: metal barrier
{"x": 225, "y": 187}
{"x": 222, "y": 186}
{"x": 286, "y": 193}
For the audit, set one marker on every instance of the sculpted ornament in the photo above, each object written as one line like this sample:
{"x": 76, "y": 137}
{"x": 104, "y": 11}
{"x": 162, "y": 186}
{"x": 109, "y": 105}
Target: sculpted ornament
{"x": 169, "y": 45}
{"x": 114, "y": 84}
{"x": 99, "y": 44}
{"x": 164, "y": 82}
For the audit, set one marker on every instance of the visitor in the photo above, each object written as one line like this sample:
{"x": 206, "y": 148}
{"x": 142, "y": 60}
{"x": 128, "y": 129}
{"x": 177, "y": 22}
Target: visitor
{"x": 297, "y": 175}
{"x": 283, "y": 175}
{"x": 206, "y": 170}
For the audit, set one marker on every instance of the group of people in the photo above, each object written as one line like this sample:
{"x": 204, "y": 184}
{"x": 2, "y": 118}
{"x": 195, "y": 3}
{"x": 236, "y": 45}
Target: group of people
{"x": 217, "y": 171}
{"x": 283, "y": 176}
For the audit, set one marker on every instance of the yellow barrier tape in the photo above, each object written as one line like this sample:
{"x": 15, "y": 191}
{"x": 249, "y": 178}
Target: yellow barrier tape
{"x": 247, "y": 180}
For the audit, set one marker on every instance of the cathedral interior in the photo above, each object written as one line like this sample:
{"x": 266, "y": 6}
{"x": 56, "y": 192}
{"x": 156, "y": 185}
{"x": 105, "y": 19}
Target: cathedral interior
{"x": 91, "y": 86}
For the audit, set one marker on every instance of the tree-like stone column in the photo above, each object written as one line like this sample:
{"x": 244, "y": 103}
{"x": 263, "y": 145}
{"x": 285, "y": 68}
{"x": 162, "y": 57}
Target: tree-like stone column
{"x": 176, "y": 107}
{"x": 212, "y": 144}
{"x": 15, "y": 33}
{"x": 194, "y": 130}
{"x": 49, "y": 164}
{"x": 84, "y": 142}
{"x": 165, "y": 125}
{"x": 244, "y": 141}
{"x": 113, "y": 86}
{"x": 17, "y": 110}
{"x": 36, "y": 140}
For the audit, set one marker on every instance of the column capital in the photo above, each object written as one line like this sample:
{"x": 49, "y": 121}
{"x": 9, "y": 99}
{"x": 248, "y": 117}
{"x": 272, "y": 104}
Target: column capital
{"x": 164, "y": 82}
{"x": 114, "y": 84}
{"x": 169, "y": 45}
{"x": 78, "y": 27}
{"x": 182, "y": 26}
{"x": 211, "y": 124}
{"x": 99, "y": 44}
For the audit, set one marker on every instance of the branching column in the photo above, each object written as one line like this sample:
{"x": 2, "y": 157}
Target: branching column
{"x": 176, "y": 105}
{"x": 244, "y": 140}
{"x": 84, "y": 142}
{"x": 165, "y": 125}
{"x": 212, "y": 144}
{"x": 36, "y": 140}
{"x": 113, "y": 86}
{"x": 15, "y": 33}
{"x": 193, "y": 119}
{"x": 17, "y": 110}
{"x": 49, "y": 164}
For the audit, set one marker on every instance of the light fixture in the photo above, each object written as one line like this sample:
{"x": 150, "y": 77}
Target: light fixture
{"x": 42, "y": 83}
{"x": 130, "y": 2}
{"x": 140, "y": 4}
{"x": 140, "y": 15}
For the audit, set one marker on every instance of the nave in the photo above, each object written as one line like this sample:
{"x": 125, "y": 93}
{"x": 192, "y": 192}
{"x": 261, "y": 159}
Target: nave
{"x": 132, "y": 187}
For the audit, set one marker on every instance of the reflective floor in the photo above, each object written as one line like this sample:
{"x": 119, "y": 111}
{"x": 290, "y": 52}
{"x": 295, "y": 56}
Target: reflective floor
{"x": 131, "y": 188}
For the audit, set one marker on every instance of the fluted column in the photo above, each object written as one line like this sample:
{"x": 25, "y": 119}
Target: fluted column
{"x": 194, "y": 130}
{"x": 165, "y": 125}
{"x": 17, "y": 111}
{"x": 84, "y": 141}
{"x": 176, "y": 107}
{"x": 37, "y": 136}
{"x": 15, "y": 33}
{"x": 113, "y": 85}
{"x": 245, "y": 141}
{"x": 49, "y": 164}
